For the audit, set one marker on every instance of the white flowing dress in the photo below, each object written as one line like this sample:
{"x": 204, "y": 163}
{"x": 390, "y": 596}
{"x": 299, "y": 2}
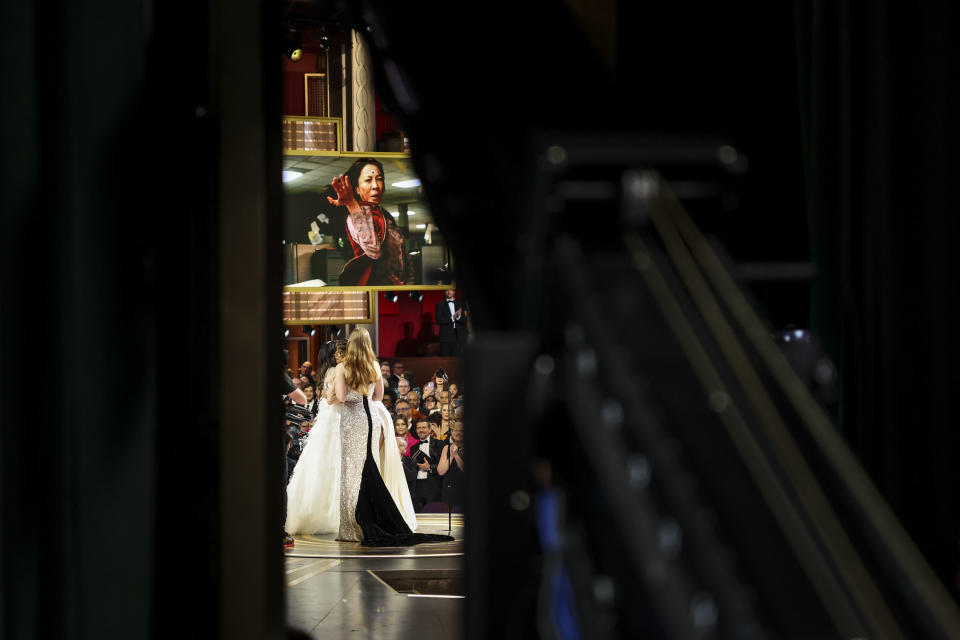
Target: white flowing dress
{"x": 313, "y": 494}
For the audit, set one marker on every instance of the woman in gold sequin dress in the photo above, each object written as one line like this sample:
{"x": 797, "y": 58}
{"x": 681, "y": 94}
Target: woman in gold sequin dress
{"x": 368, "y": 512}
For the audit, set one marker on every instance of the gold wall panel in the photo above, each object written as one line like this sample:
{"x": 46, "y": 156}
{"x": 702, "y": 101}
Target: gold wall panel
{"x": 327, "y": 307}
{"x": 310, "y": 134}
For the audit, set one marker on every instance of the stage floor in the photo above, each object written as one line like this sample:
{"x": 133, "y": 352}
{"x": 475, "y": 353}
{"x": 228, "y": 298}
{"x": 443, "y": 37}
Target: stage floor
{"x": 326, "y": 546}
{"x": 338, "y": 589}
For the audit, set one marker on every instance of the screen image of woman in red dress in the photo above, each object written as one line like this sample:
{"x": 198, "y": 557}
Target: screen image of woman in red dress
{"x": 379, "y": 257}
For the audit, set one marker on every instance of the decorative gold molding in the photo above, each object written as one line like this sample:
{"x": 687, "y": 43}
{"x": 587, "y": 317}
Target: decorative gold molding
{"x": 315, "y": 305}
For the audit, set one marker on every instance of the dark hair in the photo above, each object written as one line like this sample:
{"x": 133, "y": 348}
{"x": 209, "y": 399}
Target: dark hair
{"x": 435, "y": 418}
{"x": 353, "y": 173}
{"x": 327, "y": 359}
{"x": 310, "y": 385}
{"x": 412, "y": 379}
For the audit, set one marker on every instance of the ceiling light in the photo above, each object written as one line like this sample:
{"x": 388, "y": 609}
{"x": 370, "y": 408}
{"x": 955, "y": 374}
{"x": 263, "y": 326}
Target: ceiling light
{"x": 394, "y": 214}
{"x": 421, "y": 226}
{"x": 313, "y": 331}
{"x": 411, "y": 212}
{"x": 286, "y": 332}
{"x": 290, "y": 176}
{"x": 292, "y": 45}
{"x": 407, "y": 184}
{"x": 416, "y": 295}
{"x": 391, "y": 296}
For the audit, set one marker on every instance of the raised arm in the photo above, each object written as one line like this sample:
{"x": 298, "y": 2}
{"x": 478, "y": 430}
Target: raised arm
{"x": 359, "y": 217}
{"x": 298, "y": 396}
{"x": 444, "y": 464}
{"x": 340, "y": 385}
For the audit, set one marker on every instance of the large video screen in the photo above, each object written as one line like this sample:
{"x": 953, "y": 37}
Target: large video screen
{"x": 360, "y": 222}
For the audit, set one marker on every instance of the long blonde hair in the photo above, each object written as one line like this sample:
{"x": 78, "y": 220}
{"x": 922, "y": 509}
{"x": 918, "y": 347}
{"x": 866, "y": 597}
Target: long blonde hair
{"x": 360, "y": 363}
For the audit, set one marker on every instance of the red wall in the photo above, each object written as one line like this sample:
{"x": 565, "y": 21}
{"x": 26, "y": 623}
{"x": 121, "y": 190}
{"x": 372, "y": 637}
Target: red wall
{"x": 293, "y": 93}
{"x": 392, "y": 316}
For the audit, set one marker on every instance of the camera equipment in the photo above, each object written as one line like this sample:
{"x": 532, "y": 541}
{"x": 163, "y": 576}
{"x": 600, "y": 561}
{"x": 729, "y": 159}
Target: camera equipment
{"x": 297, "y": 414}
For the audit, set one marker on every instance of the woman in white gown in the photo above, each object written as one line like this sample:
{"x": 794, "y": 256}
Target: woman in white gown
{"x": 313, "y": 494}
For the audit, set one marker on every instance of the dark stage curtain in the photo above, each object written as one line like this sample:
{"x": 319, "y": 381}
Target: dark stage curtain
{"x": 879, "y": 101}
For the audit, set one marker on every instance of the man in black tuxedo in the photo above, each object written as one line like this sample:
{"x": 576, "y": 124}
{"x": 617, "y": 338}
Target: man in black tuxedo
{"x": 451, "y": 316}
{"x": 426, "y": 456}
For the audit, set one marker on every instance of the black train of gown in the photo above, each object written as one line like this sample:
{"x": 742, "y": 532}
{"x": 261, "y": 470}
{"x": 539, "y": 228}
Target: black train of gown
{"x": 377, "y": 513}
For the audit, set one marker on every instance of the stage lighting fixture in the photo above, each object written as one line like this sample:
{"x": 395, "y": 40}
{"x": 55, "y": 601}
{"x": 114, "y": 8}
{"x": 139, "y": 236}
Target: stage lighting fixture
{"x": 293, "y": 45}
{"x": 416, "y": 296}
{"x": 337, "y": 331}
{"x": 391, "y": 296}
{"x": 286, "y": 332}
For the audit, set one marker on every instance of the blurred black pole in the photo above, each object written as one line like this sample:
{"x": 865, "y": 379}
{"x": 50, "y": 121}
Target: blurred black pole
{"x": 128, "y": 244}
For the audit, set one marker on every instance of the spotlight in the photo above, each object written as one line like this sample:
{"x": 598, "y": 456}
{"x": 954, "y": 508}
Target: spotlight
{"x": 292, "y": 45}
{"x": 323, "y": 41}
{"x": 391, "y": 296}
{"x": 313, "y": 331}
{"x": 286, "y": 332}
{"x": 416, "y": 296}
{"x": 337, "y": 331}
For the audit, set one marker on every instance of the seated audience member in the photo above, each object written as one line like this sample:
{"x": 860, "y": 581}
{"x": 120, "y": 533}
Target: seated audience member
{"x": 403, "y": 408}
{"x": 304, "y": 381}
{"x": 397, "y": 373}
{"x": 413, "y": 399}
{"x": 438, "y": 429}
{"x": 389, "y": 399}
{"x": 385, "y": 372}
{"x": 430, "y": 405}
{"x": 411, "y": 380}
{"x": 443, "y": 397}
{"x": 402, "y": 429}
{"x": 450, "y": 469}
{"x": 313, "y": 400}
{"x": 455, "y": 396}
{"x": 306, "y": 369}
{"x": 296, "y": 381}
{"x": 441, "y": 380}
{"x": 430, "y": 388}
{"x": 426, "y": 455}
{"x": 403, "y": 388}
{"x": 446, "y": 412}
{"x": 458, "y": 413}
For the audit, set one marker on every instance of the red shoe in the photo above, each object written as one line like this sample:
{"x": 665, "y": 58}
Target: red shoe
{"x": 287, "y": 540}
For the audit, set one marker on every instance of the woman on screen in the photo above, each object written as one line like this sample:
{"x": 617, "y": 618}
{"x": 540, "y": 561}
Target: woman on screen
{"x": 378, "y": 249}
